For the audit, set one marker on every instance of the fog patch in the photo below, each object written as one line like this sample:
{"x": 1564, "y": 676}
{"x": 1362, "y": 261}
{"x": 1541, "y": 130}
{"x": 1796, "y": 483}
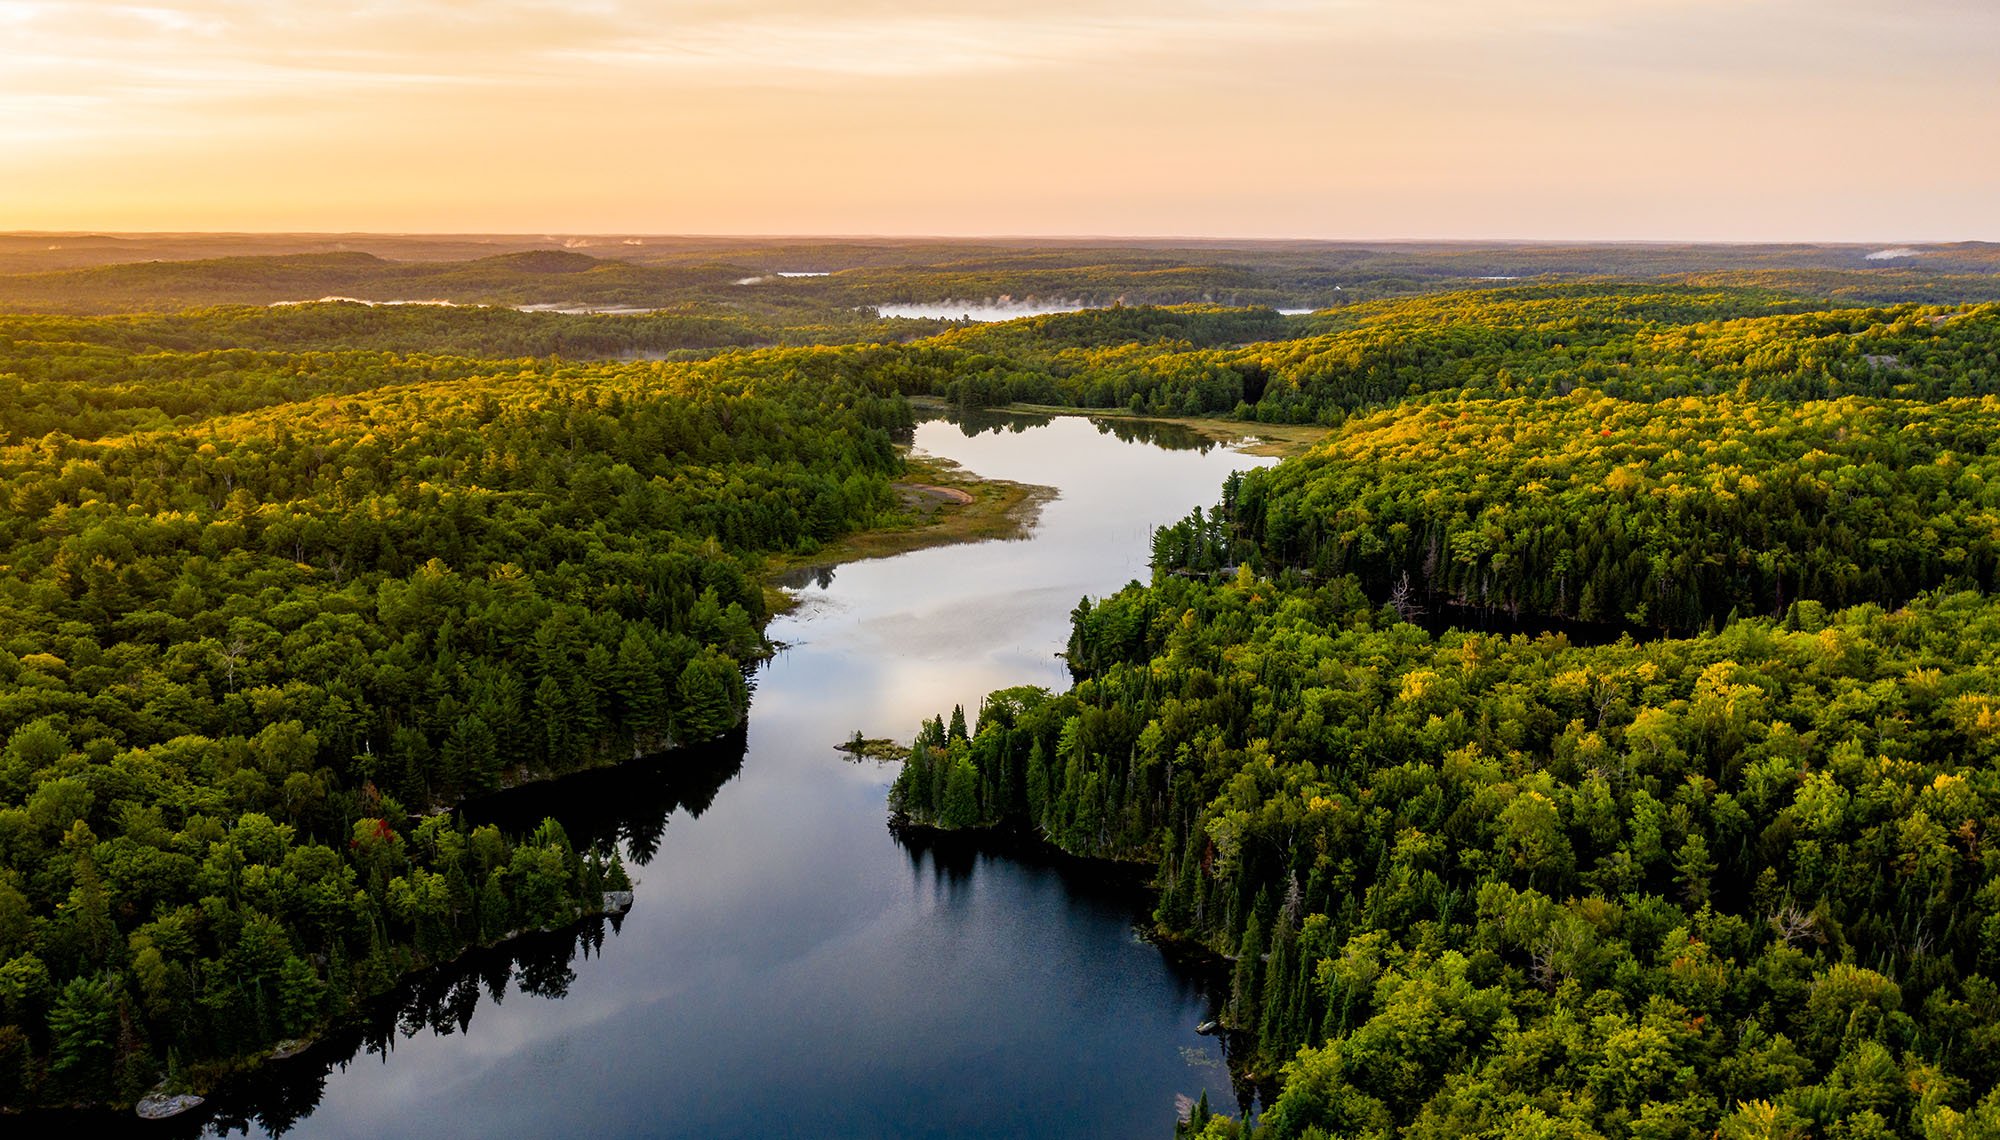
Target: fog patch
{"x": 1894, "y": 253}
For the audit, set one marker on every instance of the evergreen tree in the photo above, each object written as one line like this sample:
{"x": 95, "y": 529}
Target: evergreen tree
{"x": 961, "y": 795}
{"x": 1246, "y": 978}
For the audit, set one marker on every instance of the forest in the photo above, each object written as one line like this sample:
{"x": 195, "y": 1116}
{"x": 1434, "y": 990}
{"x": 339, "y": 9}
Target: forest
{"x": 269, "y": 614}
{"x": 837, "y": 281}
{"x": 1707, "y": 858}
{"x": 282, "y": 587}
{"x": 1473, "y": 883}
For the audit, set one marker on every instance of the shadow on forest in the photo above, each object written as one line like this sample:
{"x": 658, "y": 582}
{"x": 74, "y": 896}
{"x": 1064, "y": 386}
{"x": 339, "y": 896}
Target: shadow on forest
{"x": 1446, "y": 617}
{"x": 628, "y": 805}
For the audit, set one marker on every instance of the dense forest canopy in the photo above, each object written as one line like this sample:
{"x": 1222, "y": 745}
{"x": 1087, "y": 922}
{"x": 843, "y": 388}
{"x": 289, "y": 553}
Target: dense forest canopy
{"x": 280, "y": 584}
{"x": 262, "y": 610}
{"x": 1728, "y": 874}
{"x": 1476, "y": 884}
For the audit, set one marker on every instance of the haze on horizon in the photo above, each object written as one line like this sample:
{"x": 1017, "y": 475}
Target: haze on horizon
{"x": 1730, "y": 120}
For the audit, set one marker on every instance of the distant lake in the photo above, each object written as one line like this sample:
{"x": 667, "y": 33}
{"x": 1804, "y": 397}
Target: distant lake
{"x": 793, "y": 968}
{"x": 1002, "y": 310}
{"x": 587, "y": 310}
{"x": 782, "y": 274}
{"x": 991, "y": 309}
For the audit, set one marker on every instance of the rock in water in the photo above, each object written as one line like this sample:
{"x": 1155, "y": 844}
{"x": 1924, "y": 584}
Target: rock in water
{"x": 617, "y": 902}
{"x": 289, "y": 1048}
{"x": 160, "y": 1106}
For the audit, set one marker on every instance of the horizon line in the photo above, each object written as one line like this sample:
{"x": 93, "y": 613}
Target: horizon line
{"x": 639, "y": 235}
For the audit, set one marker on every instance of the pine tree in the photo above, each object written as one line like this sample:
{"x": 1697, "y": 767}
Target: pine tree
{"x": 1038, "y": 784}
{"x": 961, "y": 797}
{"x": 82, "y": 1023}
{"x": 496, "y": 916}
{"x": 1171, "y": 912}
{"x": 1278, "y": 979}
{"x": 911, "y": 794}
{"x": 1244, "y": 980}
{"x": 707, "y": 701}
{"x": 1193, "y": 898}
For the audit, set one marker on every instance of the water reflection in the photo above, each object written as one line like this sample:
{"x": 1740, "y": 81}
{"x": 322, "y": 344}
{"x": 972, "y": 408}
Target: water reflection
{"x": 820, "y": 577}
{"x": 988, "y": 310}
{"x": 630, "y": 804}
{"x": 277, "y": 1099}
{"x": 783, "y": 941}
{"x": 1164, "y": 434}
{"x": 1157, "y": 433}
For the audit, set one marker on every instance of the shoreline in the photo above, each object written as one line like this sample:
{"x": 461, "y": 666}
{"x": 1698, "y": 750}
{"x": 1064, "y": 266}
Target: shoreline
{"x": 946, "y": 506}
{"x": 943, "y": 505}
{"x": 207, "y": 1083}
{"x": 950, "y": 505}
{"x": 1279, "y": 441}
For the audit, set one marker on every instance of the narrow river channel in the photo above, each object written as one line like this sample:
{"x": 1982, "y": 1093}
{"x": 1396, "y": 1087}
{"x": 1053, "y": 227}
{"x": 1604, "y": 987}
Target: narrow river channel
{"x": 791, "y": 968}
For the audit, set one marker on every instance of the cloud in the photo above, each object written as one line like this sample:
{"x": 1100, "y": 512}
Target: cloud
{"x": 199, "y": 47}
{"x": 1021, "y": 115}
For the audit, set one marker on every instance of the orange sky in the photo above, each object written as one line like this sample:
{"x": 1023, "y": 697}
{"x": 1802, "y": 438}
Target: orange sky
{"x": 1858, "y": 120}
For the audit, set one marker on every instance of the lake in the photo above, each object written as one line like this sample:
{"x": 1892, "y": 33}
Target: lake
{"x": 992, "y": 309}
{"x": 792, "y": 968}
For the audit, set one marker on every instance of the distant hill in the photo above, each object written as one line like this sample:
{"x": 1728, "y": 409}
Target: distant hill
{"x": 93, "y": 274}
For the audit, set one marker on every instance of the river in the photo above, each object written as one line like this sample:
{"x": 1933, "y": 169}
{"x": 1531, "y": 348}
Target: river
{"x": 790, "y": 967}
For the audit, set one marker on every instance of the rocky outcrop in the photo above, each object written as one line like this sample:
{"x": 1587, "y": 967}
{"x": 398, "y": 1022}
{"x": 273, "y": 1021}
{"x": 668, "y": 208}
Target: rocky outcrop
{"x": 160, "y": 1106}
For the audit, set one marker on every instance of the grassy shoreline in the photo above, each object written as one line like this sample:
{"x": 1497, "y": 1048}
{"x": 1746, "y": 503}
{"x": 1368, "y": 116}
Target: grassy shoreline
{"x": 942, "y": 504}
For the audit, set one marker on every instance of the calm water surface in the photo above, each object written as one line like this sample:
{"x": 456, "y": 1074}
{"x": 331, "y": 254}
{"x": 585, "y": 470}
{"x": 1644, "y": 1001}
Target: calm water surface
{"x": 992, "y": 309}
{"x": 791, "y": 968}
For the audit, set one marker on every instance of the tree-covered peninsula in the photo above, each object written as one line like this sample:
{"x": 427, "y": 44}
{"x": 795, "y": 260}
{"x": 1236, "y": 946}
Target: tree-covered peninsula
{"x": 278, "y": 587}
{"x": 1713, "y": 856}
{"x": 264, "y": 614}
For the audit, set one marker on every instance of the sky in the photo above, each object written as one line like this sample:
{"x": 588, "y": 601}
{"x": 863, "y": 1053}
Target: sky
{"x": 1730, "y": 120}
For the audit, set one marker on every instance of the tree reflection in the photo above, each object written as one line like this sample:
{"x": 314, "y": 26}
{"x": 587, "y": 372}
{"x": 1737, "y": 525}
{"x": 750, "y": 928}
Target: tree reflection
{"x": 629, "y": 804}
{"x": 1168, "y": 435}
